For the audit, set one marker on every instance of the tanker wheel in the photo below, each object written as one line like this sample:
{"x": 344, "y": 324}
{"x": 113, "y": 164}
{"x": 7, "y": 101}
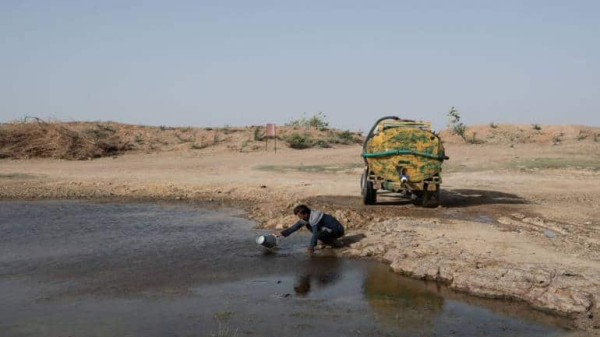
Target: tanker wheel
{"x": 369, "y": 194}
{"x": 430, "y": 199}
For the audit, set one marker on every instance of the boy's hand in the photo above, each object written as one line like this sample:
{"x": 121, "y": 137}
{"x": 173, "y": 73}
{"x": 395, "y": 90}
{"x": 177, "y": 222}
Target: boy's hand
{"x": 310, "y": 250}
{"x": 277, "y": 234}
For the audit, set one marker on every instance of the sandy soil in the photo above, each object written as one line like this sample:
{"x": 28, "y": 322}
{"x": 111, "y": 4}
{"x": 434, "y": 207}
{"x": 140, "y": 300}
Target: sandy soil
{"x": 517, "y": 221}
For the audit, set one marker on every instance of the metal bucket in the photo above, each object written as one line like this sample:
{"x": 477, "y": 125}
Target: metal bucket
{"x": 268, "y": 241}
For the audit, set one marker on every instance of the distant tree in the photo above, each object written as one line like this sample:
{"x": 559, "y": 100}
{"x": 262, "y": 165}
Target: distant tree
{"x": 455, "y": 125}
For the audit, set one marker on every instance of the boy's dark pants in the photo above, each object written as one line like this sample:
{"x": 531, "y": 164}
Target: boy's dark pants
{"x": 329, "y": 237}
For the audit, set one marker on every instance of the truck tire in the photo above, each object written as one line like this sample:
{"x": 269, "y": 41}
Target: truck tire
{"x": 369, "y": 194}
{"x": 430, "y": 199}
{"x": 363, "y": 178}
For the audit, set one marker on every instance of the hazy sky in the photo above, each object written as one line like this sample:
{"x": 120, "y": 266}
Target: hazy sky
{"x": 211, "y": 63}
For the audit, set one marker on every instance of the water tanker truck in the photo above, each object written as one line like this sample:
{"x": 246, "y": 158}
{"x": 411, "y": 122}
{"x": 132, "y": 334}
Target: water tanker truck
{"x": 402, "y": 156}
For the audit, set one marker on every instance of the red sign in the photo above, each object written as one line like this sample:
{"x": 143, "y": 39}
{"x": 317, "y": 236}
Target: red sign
{"x": 270, "y": 130}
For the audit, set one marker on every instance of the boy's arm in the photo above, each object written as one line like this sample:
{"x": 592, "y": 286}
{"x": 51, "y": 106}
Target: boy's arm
{"x": 293, "y": 228}
{"x": 315, "y": 235}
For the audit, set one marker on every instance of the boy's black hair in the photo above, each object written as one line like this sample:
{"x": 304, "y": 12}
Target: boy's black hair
{"x": 301, "y": 209}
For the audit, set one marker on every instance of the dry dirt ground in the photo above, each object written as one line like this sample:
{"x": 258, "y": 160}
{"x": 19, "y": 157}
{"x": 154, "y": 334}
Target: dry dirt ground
{"x": 518, "y": 221}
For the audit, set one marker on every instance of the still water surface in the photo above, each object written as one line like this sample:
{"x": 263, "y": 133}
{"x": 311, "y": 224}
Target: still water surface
{"x": 71, "y": 268}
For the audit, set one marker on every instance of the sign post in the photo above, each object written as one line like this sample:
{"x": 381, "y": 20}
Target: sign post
{"x": 270, "y": 133}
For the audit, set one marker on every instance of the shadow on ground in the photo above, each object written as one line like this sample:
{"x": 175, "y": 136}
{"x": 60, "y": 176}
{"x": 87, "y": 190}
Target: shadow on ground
{"x": 462, "y": 204}
{"x": 351, "y": 239}
{"x": 449, "y": 199}
{"x": 469, "y": 197}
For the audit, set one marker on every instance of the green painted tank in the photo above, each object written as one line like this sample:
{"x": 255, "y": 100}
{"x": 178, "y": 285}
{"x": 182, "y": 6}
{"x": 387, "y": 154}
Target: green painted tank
{"x": 403, "y": 156}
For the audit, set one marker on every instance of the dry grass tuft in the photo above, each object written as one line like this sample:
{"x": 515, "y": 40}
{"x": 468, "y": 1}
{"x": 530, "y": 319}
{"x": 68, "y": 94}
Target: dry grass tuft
{"x": 34, "y": 137}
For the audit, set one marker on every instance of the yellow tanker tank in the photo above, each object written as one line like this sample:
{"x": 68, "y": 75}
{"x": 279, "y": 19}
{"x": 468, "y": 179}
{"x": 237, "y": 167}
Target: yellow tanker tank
{"x": 403, "y": 156}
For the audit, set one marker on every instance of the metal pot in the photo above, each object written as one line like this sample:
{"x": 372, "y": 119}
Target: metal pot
{"x": 268, "y": 241}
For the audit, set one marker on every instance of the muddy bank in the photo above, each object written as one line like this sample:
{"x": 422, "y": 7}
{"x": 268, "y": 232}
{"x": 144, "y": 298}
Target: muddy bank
{"x": 498, "y": 265}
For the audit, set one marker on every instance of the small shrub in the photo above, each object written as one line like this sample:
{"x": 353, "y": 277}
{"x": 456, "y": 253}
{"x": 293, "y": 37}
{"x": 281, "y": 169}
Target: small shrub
{"x": 581, "y": 135}
{"x": 243, "y": 145}
{"x": 295, "y": 123}
{"x": 536, "y": 127}
{"x": 346, "y": 137}
{"x": 455, "y": 125}
{"x": 298, "y": 141}
{"x": 493, "y": 125}
{"x": 332, "y": 139}
{"x": 596, "y": 136}
{"x": 198, "y": 146}
{"x": 101, "y": 131}
{"x": 138, "y": 139}
{"x": 183, "y": 139}
{"x": 318, "y": 120}
{"x": 163, "y": 128}
{"x": 227, "y": 129}
{"x": 321, "y": 144}
{"x": 473, "y": 139}
{"x": 557, "y": 139}
{"x": 258, "y": 135}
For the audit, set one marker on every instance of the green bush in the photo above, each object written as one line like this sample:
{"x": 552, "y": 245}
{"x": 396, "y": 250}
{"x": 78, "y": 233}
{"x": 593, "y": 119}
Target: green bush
{"x": 318, "y": 120}
{"x": 557, "y": 139}
{"x": 346, "y": 137}
{"x": 321, "y": 144}
{"x": 258, "y": 135}
{"x": 455, "y": 125}
{"x": 298, "y": 141}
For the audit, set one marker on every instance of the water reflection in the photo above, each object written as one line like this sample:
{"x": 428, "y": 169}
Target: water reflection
{"x": 321, "y": 271}
{"x": 419, "y": 308}
{"x": 399, "y": 302}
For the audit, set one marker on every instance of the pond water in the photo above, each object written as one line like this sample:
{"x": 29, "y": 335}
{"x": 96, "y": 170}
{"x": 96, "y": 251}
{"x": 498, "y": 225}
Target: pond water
{"x": 70, "y": 268}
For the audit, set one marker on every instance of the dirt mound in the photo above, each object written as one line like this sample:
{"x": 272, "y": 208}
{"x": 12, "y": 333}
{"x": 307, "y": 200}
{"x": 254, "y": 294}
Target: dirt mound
{"x": 520, "y": 134}
{"x": 36, "y": 138}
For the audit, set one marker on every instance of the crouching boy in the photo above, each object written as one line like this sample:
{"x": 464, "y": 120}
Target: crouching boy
{"x": 324, "y": 227}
